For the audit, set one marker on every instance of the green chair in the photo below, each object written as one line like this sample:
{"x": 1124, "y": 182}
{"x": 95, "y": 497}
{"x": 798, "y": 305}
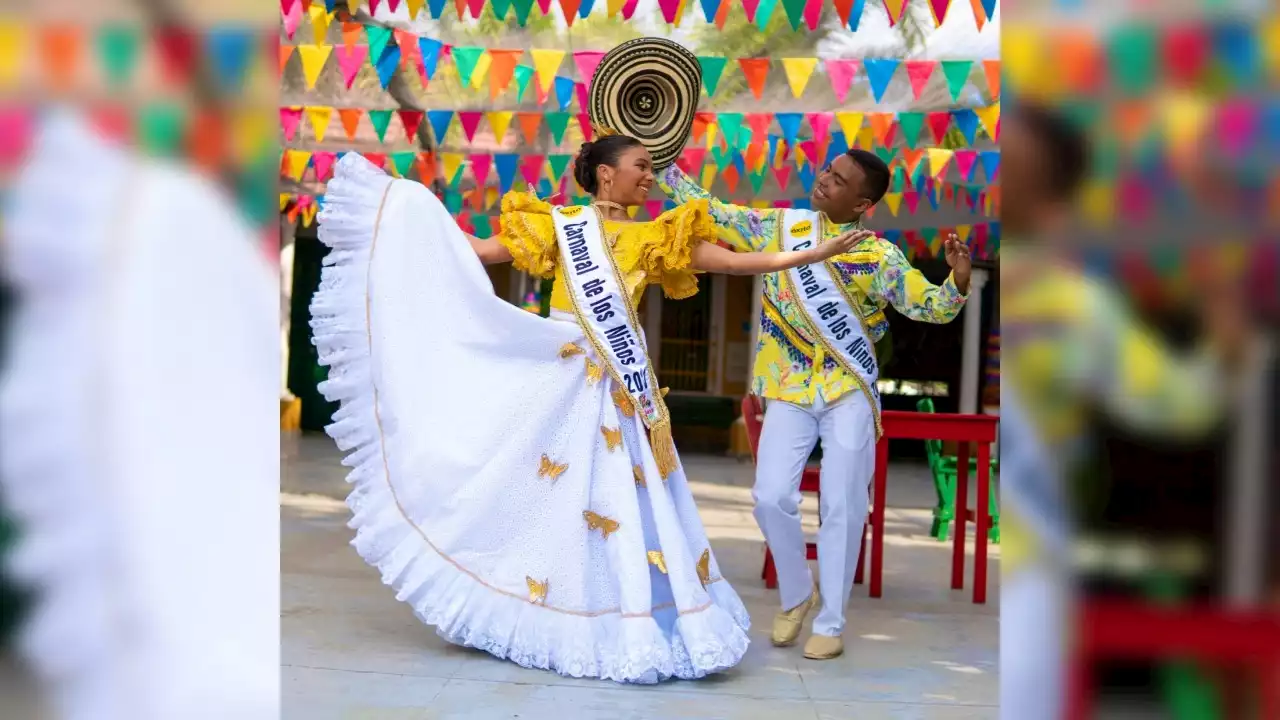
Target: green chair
{"x": 943, "y": 468}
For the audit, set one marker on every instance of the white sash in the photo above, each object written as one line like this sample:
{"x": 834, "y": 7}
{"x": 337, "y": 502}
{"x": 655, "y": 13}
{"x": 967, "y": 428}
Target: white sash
{"x": 605, "y": 312}
{"x": 829, "y": 308}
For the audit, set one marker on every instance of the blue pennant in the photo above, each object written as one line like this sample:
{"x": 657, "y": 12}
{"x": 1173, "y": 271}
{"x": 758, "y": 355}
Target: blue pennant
{"x": 1236, "y": 45}
{"x": 440, "y": 120}
{"x": 990, "y": 160}
{"x": 710, "y": 8}
{"x": 879, "y": 72}
{"x": 506, "y": 164}
{"x": 430, "y": 55}
{"x": 585, "y": 9}
{"x": 806, "y": 177}
{"x": 387, "y": 64}
{"x": 564, "y": 91}
{"x": 967, "y": 123}
{"x": 436, "y": 7}
{"x": 855, "y": 15}
{"x": 229, "y": 49}
{"x": 803, "y": 203}
{"x": 790, "y": 124}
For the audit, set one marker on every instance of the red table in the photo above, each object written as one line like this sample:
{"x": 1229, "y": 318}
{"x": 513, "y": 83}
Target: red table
{"x": 962, "y": 429}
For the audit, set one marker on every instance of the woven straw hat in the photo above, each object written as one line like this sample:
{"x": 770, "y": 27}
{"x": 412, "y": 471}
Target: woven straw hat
{"x": 647, "y": 88}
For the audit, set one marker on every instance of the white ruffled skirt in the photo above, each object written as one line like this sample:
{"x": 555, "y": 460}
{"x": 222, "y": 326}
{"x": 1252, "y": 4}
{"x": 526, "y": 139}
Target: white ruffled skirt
{"x": 490, "y": 487}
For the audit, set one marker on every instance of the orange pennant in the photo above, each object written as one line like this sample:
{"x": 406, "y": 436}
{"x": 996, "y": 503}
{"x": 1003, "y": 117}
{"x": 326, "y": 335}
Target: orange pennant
{"x": 350, "y": 120}
{"x": 881, "y": 126}
{"x": 530, "y": 122}
{"x": 286, "y": 52}
{"x": 911, "y": 159}
{"x": 722, "y": 15}
{"x": 992, "y": 69}
{"x": 756, "y": 71}
{"x": 60, "y": 49}
{"x": 979, "y": 13}
{"x": 353, "y": 32}
{"x": 731, "y": 178}
{"x": 502, "y": 69}
{"x": 1132, "y": 120}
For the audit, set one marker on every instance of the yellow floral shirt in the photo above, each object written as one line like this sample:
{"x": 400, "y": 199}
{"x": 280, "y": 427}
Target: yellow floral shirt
{"x": 1071, "y": 347}
{"x": 659, "y": 251}
{"x": 876, "y": 271}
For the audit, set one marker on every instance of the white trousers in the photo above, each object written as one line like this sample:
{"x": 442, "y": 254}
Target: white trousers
{"x": 1034, "y": 606}
{"x": 847, "y": 430}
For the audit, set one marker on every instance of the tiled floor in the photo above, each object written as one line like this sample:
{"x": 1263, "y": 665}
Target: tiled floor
{"x": 350, "y": 650}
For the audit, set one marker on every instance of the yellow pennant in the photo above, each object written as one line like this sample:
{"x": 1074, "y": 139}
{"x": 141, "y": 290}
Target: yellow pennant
{"x": 545, "y": 64}
{"x": 499, "y": 121}
{"x": 938, "y": 159}
{"x": 1098, "y": 201}
{"x": 320, "y": 19}
{"x": 894, "y": 201}
{"x": 415, "y": 7}
{"x": 319, "y": 116}
{"x": 962, "y": 232}
{"x": 1022, "y": 50}
{"x": 309, "y": 214}
{"x": 867, "y": 138}
{"x": 481, "y": 75}
{"x": 313, "y": 60}
{"x": 284, "y": 200}
{"x": 989, "y": 116}
{"x": 353, "y": 6}
{"x": 708, "y": 176}
{"x": 12, "y": 46}
{"x": 850, "y": 124}
{"x": 253, "y": 132}
{"x": 1184, "y": 117}
{"x": 1271, "y": 46}
{"x": 297, "y": 161}
{"x": 491, "y": 196}
{"x": 713, "y": 132}
{"x": 798, "y": 71}
{"x": 761, "y": 204}
{"x": 452, "y": 164}
{"x": 680, "y": 13}
{"x": 895, "y": 8}
{"x": 615, "y": 7}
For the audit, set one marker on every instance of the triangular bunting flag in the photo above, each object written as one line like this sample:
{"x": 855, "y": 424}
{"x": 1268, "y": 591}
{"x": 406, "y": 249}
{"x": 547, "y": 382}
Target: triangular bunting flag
{"x": 414, "y": 7}
{"x": 320, "y": 19}
{"x": 388, "y": 65}
{"x": 712, "y": 69}
{"x": 381, "y": 119}
{"x": 990, "y": 164}
{"x": 990, "y": 118}
{"x": 546, "y": 63}
{"x": 323, "y": 164}
{"x": 918, "y": 73}
{"x": 895, "y": 9}
{"x": 756, "y": 71}
{"x": 910, "y": 123}
{"x": 850, "y": 124}
{"x": 798, "y": 71}
{"x": 557, "y": 164}
{"x": 296, "y": 162}
{"x": 350, "y": 120}
{"x": 991, "y": 68}
{"x": 967, "y": 124}
{"x": 894, "y": 201}
{"x": 470, "y": 120}
{"x": 286, "y": 52}
{"x": 440, "y": 120}
{"x": 729, "y": 123}
{"x": 350, "y": 59}
{"x": 379, "y": 37}
{"x": 319, "y": 117}
{"x": 292, "y": 19}
{"x": 429, "y": 49}
{"x": 795, "y": 12}
{"x": 879, "y": 73}
{"x": 584, "y": 124}
{"x": 790, "y": 124}
{"x": 939, "y": 123}
{"x": 507, "y": 164}
{"x": 499, "y": 121}
{"x": 402, "y": 162}
{"x": 965, "y": 162}
{"x": 118, "y": 49}
{"x": 523, "y": 74}
{"x": 313, "y": 60}
{"x": 587, "y": 61}
{"x": 938, "y": 159}
{"x": 821, "y": 124}
{"x": 465, "y": 60}
{"x": 938, "y": 8}
{"x": 764, "y": 13}
{"x": 452, "y": 166}
{"x": 557, "y": 123}
{"x": 502, "y": 71}
{"x": 841, "y": 73}
{"x": 530, "y": 122}
{"x": 531, "y": 168}
{"x": 290, "y": 117}
{"x": 881, "y": 125}
{"x": 957, "y": 74}
{"x": 564, "y": 91}
{"x": 480, "y": 165}
{"x": 411, "y": 119}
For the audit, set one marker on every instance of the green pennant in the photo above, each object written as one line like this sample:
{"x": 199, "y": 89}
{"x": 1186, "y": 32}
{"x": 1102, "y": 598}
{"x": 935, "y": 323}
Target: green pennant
{"x": 723, "y": 157}
{"x": 744, "y": 137}
{"x": 379, "y": 37}
{"x": 764, "y": 13}
{"x": 557, "y": 122}
{"x": 403, "y": 161}
{"x": 795, "y": 12}
{"x": 581, "y": 200}
{"x": 380, "y": 120}
{"x": 160, "y": 127}
{"x": 757, "y": 180}
{"x": 730, "y": 123}
{"x": 524, "y": 74}
{"x": 522, "y": 11}
{"x": 1133, "y": 56}
{"x": 712, "y": 69}
{"x": 911, "y": 123}
{"x": 500, "y": 8}
{"x": 118, "y": 45}
{"x": 899, "y": 178}
{"x": 886, "y": 153}
{"x": 559, "y": 163}
{"x": 465, "y": 58}
{"x": 957, "y": 74}
{"x": 453, "y": 198}
{"x": 1105, "y": 163}
{"x": 483, "y": 229}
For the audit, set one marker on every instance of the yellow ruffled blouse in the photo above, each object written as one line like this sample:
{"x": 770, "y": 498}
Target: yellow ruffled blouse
{"x": 659, "y": 251}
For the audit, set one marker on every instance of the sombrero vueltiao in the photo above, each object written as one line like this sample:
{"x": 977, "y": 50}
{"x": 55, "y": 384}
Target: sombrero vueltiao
{"x": 648, "y": 88}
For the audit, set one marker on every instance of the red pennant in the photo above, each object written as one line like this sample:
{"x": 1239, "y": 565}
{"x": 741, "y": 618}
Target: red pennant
{"x": 731, "y": 178}
{"x": 584, "y": 121}
{"x": 531, "y": 168}
{"x": 379, "y": 160}
{"x": 783, "y": 174}
{"x": 177, "y": 49}
{"x": 759, "y": 124}
{"x": 756, "y": 71}
{"x": 1186, "y": 51}
{"x": 919, "y": 72}
{"x": 938, "y": 124}
{"x": 691, "y": 160}
{"x": 470, "y": 121}
{"x": 570, "y": 9}
{"x": 411, "y": 119}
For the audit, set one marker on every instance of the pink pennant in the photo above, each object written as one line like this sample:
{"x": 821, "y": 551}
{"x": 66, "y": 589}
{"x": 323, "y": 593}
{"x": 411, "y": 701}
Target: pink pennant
{"x": 290, "y": 117}
{"x": 691, "y": 160}
{"x": 351, "y": 58}
{"x": 810, "y": 150}
{"x": 654, "y": 208}
{"x": 669, "y": 9}
{"x": 841, "y": 73}
{"x": 821, "y": 124}
{"x": 629, "y": 9}
{"x": 292, "y": 19}
{"x": 965, "y": 160}
{"x": 373, "y": 6}
{"x": 1237, "y": 124}
{"x": 531, "y": 168}
{"x": 580, "y": 89}
{"x": 480, "y": 164}
{"x": 919, "y": 72}
{"x": 751, "y": 6}
{"x": 545, "y": 6}
{"x": 393, "y": 4}
{"x": 584, "y": 121}
{"x": 587, "y": 62}
{"x": 323, "y": 164}
{"x": 470, "y": 121}
{"x": 16, "y": 127}
{"x": 782, "y": 204}
{"x": 912, "y": 200}
{"x": 813, "y": 14}
{"x": 1135, "y": 199}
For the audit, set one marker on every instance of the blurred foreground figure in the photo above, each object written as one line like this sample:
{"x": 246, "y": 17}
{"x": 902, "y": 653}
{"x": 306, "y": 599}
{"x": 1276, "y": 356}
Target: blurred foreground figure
{"x": 1071, "y": 347}
{"x": 140, "y": 448}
